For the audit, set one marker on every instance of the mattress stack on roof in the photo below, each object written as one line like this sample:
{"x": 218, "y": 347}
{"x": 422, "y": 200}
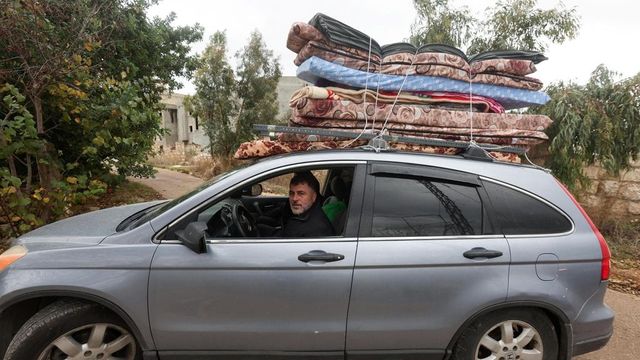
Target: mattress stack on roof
{"x": 433, "y": 92}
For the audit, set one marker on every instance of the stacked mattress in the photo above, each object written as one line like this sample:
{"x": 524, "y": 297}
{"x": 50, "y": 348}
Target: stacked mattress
{"x": 430, "y": 92}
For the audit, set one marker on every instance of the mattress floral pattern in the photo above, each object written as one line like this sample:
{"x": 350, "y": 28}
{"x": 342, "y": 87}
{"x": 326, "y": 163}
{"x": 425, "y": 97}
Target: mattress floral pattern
{"x": 263, "y": 148}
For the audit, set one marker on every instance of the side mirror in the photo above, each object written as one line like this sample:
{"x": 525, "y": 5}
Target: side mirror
{"x": 254, "y": 190}
{"x": 193, "y": 236}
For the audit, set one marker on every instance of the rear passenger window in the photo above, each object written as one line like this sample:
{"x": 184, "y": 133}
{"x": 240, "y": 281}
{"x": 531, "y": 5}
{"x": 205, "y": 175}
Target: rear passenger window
{"x": 518, "y": 214}
{"x": 423, "y": 207}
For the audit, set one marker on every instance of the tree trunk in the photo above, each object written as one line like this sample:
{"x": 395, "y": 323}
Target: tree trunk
{"x": 29, "y": 175}
{"x": 37, "y": 104}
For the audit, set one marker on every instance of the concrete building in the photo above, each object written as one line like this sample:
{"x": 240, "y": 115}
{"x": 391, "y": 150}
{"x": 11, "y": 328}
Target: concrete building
{"x": 184, "y": 128}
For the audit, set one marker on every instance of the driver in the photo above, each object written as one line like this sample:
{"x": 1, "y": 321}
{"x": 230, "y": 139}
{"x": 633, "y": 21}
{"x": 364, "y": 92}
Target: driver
{"x": 307, "y": 219}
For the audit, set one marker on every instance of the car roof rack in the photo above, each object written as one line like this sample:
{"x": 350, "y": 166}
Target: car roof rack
{"x": 379, "y": 142}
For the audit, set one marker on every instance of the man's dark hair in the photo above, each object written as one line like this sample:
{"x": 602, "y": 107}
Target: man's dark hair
{"x": 306, "y": 177}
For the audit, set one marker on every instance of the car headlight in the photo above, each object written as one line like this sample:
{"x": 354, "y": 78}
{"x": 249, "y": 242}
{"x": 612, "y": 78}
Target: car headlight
{"x": 12, "y": 255}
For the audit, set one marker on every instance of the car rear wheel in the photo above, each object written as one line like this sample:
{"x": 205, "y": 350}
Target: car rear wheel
{"x": 514, "y": 334}
{"x": 73, "y": 330}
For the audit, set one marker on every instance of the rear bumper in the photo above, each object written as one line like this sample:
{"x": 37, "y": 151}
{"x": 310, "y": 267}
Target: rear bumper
{"x": 593, "y": 326}
{"x": 591, "y": 345}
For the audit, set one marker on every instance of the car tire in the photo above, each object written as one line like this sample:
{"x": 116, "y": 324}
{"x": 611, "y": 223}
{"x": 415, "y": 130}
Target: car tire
{"x": 70, "y": 329}
{"x": 508, "y": 335}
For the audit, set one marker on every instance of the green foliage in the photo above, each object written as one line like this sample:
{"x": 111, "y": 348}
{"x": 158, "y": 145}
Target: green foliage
{"x": 438, "y": 23}
{"x": 146, "y": 48}
{"x": 597, "y": 122}
{"x": 23, "y": 207}
{"x": 113, "y": 127}
{"x": 228, "y": 105}
{"x": 509, "y": 24}
{"x": 17, "y": 128}
{"x": 23, "y": 211}
{"x": 213, "y": 102}
{"x": 258, "y": 76}
{"x": 93, "y": 73}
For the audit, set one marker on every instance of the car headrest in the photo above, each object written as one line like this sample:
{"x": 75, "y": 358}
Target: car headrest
{"x": 338, "y": 188}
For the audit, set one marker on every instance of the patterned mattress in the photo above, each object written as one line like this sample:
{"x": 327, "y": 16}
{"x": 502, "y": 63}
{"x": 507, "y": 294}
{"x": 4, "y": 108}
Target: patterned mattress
{"x": 314, "y": 70}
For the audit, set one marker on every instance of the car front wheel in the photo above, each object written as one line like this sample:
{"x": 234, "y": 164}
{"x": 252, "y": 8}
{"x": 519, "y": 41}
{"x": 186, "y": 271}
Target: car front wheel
{"x": 513, "y": 334}
{"x": 70, "y": 329}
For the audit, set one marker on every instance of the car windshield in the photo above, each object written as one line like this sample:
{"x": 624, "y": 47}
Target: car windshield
{"x": 155, "y": 211}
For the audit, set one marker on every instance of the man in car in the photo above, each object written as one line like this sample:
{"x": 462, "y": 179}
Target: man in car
{"x": 307, "y": 218}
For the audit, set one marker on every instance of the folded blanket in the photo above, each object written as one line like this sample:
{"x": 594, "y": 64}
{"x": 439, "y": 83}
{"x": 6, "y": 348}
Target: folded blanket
{"x": 264, "y": 148}
{"x": 479, "y": 103}
{"x": 416, "y": 114}
{"x": 314, "y": 70}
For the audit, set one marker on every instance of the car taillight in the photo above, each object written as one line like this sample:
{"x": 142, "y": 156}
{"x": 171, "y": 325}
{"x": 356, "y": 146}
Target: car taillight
{"x": 605, "y": 267}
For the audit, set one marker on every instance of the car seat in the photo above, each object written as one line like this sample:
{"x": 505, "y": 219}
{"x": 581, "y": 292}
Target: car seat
{"x": 335, "y": 206}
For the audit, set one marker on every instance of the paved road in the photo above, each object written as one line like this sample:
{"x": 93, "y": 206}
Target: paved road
{"x": 170, "y": 184}
{"x": 623, "y": 346}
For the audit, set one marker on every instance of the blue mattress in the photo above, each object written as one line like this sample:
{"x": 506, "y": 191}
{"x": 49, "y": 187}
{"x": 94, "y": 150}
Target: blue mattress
{"x": 315, "y": 69}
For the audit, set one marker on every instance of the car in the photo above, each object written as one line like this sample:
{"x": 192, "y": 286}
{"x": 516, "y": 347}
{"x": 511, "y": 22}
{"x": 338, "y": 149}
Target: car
{"x": 433, "y": 257}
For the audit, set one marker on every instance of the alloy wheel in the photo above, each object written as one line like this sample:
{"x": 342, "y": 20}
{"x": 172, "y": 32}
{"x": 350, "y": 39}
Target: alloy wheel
{"x": 92, "y": 342}
{"x": 510, "y": 340}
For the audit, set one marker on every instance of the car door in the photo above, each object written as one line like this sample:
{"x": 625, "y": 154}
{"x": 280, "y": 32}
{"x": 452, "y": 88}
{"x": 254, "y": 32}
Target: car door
{"x": 427, "y": 261}
{"x": 254, "y": 296}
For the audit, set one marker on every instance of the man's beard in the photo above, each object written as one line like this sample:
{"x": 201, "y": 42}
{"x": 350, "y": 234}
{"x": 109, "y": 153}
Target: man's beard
{"x": 300, "y": 209}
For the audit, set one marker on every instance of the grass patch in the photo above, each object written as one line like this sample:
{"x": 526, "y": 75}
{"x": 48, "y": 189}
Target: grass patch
{"x": 623, "y": 238}
{"x": 126, "y": 193}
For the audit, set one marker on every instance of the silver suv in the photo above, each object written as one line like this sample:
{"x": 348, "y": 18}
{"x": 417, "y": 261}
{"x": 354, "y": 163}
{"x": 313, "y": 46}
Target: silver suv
{"x": 435, "y": 257}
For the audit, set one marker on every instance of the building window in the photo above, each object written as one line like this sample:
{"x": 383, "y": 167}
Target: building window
{"x": 173, "y": 114}
{"x": 197, "y": 125}
{"x": 190, "y": 128}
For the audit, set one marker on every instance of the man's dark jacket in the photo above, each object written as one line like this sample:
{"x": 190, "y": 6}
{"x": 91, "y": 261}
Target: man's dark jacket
{"x": 311, "y": 223}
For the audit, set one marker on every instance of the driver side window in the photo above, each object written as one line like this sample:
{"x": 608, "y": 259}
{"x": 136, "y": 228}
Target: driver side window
{"x": 287, "y": 205}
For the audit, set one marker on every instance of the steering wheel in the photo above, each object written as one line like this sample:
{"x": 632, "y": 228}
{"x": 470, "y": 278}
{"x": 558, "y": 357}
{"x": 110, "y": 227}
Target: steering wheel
{"x": 243, "y": 221}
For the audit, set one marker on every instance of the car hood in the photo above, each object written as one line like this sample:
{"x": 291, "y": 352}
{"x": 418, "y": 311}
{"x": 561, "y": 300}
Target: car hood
{"x": 81, "y": 230}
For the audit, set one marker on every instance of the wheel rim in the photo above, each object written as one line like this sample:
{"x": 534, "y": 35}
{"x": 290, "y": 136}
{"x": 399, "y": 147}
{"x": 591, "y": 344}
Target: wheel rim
{"x": 510, "y": 340}
{"x": 92, "y": 342}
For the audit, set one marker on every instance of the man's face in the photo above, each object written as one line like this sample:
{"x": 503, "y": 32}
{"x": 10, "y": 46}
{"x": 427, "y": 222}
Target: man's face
{"x": 301, "y": 198}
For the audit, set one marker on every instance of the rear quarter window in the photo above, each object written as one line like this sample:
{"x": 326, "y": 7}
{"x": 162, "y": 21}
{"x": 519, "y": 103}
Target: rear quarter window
{"x": 517, "y": 213}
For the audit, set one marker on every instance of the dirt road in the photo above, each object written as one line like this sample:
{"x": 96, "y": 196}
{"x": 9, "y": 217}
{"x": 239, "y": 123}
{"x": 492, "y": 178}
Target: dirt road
{"x": 623, "y": 346}
{"x": 170, "y": 184}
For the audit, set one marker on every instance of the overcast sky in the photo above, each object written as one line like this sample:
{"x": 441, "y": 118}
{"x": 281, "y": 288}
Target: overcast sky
{"x": 608, "y": 35}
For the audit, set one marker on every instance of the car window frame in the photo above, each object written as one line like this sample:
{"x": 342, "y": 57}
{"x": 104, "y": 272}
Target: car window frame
{"x": 409, "y": 170}
{"x": 492, "y": 212}
{"x": 352, "y": 227}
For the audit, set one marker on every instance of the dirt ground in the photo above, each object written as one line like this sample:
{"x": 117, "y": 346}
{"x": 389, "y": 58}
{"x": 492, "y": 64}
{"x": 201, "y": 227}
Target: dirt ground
{"x": 624, "y": 344}
{"x": 170, "y": 184}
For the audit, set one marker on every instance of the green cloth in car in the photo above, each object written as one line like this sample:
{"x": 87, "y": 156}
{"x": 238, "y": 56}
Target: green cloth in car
{"x": 333, "y": 209}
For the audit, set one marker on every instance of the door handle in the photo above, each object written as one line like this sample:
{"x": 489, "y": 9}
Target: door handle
{"x": 320, "y": 255}
{"x": 480, "y": 252}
